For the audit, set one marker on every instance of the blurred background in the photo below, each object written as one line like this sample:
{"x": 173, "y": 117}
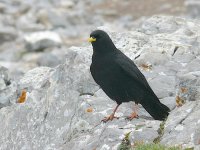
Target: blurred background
{"x": 39, "y": 32}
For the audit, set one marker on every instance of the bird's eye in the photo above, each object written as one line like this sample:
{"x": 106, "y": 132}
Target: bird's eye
{"x": 96, "y": 36}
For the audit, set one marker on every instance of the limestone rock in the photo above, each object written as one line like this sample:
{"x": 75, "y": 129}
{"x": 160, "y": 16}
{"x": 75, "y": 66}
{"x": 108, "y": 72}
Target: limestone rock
{"x": 8, "y": 89}
{"x": 40, "y": 40}
{"x": 64, "y": 106}
{"x": 193, "y": 8}
{"x": 7, "y": 34}
{"x": 180, "y": 130}
{"x": 36, "y": 78}
{"x": 49, "y": 60}
{"x": 154, "y": 25}
{"x": 4, "y": 77}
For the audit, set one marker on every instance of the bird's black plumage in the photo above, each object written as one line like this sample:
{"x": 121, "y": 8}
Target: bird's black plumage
{"x": 120, "y": 78}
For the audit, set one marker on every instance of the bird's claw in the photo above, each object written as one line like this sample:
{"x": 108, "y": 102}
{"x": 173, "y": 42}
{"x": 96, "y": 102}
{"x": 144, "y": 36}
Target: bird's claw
{"x": 111, "y": 117}
{"x": 132, "y": 116}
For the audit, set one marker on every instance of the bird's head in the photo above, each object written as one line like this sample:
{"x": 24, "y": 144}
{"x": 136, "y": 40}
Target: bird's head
{"x": 101, "y": 41}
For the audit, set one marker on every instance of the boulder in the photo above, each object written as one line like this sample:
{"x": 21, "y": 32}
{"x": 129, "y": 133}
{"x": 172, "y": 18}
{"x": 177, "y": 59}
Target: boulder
{"x": 38, "y": 41}
{"x": 8, "y": 89}
{"x": 64, "y": 106}
{"x": 7, "y": 34}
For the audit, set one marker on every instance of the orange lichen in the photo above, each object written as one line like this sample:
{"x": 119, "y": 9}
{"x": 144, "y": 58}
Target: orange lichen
{"x": 90, "y": 109}
{"x": 22, "y": 97}
{"x": 146, "y": 67}
{"x": 184, "y": 90}
{"x": 179, "y": 101}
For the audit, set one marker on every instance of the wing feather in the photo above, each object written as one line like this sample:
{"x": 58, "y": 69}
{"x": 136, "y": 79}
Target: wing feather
{"x": 130, "y": 69}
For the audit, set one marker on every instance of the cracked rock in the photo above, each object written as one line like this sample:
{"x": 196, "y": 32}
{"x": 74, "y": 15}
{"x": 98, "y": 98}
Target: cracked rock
{"x": 64, "y": 106}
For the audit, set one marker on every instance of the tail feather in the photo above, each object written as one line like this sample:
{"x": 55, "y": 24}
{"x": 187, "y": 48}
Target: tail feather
{"x": 154, "y": 107}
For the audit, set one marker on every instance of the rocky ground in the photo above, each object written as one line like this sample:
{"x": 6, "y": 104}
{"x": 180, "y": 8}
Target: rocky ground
{"x": 62, "y": 106}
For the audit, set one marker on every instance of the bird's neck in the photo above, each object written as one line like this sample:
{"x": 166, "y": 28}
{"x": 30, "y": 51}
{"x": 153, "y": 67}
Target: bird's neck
{"x": 104, "y": 48}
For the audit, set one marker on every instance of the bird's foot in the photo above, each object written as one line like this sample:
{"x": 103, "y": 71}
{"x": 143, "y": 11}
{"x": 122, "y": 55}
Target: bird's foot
{"x": 111, "y": 117}
{"x": 132, "y": 116}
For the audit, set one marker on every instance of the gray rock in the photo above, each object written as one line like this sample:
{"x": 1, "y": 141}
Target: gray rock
{"x": 52, "y": 18}
{"x": 11, "y": 51}
{"x": 17, "y": 69}
{"x": 166, "y": 82}
{"x": 63, "y": 113}
{"x": 8, "y": 90}
{"x": 197, "y": 136}
{"x": 2, "y": 7}
{"x": 49, "y": 60}
{"x": 146, "y": 132}
{"x": 31, "y": 57}
{"x": 8, "y": 95}
{"x": 169, "y": 101}
{"x": 40, "y": 40}
{"x": 28, "y": 23}
{"x": 67, "y": 4}
{"x": 191, "y": 66}
{"x": 4, "y": 77}
{"x": 36, "y": 78}
{"x": 82, "y": 58}
{"x": 7, "y": 34}
{"x": 64, "y": 106}
{"x": 179, "y": 131}
{"x": 2, "y": 84}
{"x": 155, "y": 25}
{"x": 152, "y": 58}
{"x": 188, "y": 87}
{"x": 193, "y": 8}
{"x": 100, "y": 93}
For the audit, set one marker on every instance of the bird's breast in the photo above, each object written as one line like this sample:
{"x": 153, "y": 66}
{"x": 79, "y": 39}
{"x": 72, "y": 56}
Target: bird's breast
{"x": 114, "y": 82}
{"x": 106, "y": 72}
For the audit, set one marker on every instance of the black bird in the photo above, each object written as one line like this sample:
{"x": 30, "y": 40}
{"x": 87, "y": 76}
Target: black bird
{"x": 120, "y": 78}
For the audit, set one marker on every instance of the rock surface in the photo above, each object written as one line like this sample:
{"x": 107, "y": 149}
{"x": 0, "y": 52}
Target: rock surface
{"x": 193, "y": 8}
{"x": 40, "y": 40}
{"x": 8, "y": 88}
{"x": 64, "y": 106}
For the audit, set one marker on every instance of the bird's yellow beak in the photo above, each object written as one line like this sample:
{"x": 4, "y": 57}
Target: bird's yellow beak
{"x": 91, "y": 39}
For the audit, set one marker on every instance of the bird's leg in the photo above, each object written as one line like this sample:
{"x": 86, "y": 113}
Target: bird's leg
{"x": 134, "y": 113}
{"x": 112, "y": 116}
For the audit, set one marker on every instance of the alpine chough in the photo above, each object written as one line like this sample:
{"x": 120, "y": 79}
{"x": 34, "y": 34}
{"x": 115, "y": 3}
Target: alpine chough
{"x": 120, "y": 78}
